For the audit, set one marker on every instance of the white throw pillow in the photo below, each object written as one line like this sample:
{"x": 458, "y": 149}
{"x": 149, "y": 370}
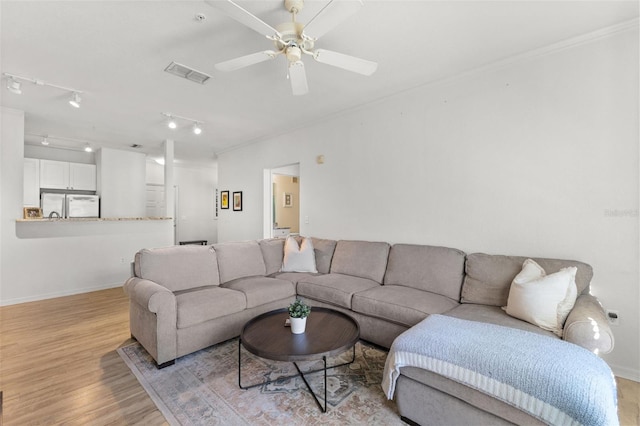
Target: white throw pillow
{"x": 540, "y": 299}
{"x": 298, "y": 258}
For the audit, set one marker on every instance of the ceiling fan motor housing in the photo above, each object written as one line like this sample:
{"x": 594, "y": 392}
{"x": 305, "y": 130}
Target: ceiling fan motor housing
{"x": 291, "y": 33}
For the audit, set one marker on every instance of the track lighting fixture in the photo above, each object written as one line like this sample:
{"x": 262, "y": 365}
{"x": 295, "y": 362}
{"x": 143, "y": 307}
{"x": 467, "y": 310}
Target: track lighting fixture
{"x": 75, "y": 100}
{"x": 45, "y": 141}
{"x": 88, "y": 148}
{"x": 173, "y": 124}
{"x": 14, "y": 86}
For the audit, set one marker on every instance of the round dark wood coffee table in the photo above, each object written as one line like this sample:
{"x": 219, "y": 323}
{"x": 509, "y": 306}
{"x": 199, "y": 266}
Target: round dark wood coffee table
{"x": 328, "y": 333}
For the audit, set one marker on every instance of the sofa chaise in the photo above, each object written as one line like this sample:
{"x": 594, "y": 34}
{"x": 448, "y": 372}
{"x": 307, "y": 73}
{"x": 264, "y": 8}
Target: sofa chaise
{"x": 186, "y": 298}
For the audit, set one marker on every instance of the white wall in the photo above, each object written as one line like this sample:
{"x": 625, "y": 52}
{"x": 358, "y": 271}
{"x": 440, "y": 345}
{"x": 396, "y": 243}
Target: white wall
{"x": 121, "y": 183}
{"x": 50, "y": 259}
{"x": 537, "y": 158}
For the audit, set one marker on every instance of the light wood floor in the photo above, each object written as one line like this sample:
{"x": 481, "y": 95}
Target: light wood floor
{"x": 58, "y": 365}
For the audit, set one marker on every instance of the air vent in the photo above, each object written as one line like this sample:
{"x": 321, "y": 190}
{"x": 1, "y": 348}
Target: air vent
{"x": 186, "y": 72}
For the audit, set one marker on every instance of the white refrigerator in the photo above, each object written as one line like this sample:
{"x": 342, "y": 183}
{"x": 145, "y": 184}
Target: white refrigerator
{"x": 52, "y": 204}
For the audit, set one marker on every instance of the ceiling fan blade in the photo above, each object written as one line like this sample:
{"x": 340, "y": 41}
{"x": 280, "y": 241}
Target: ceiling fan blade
{"x": 298, "y": 78}
{"x": 245, "y": 61}
{"x": 349, "y": 63}
{"x": 245, "y": 17}
{"x": 330, "y": 16}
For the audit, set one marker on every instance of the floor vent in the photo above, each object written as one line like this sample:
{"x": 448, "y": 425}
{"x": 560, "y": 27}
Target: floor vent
{"x": 186, "y": 72}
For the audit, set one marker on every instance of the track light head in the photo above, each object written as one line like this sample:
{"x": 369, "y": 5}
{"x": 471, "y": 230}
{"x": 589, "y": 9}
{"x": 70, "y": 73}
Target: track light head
{"x": 196, "y": 128}
{"x": 171, "y": 123}
{"x": 75, "y": 100}
{"x": 45, "y": 141}
{"x": 14, "y": 86}
{"x": 88, "y": 148}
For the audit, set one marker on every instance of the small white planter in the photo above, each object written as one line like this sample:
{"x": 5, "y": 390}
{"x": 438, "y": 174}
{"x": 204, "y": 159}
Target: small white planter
{"x": 298, "y": 325}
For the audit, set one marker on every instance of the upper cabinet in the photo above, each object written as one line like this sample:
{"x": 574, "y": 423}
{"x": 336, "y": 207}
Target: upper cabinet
{"x": 64, "y": 175}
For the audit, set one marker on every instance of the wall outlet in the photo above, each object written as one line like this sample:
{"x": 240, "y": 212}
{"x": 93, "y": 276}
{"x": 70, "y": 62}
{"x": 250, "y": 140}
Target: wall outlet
{"x": 613, "y": 317}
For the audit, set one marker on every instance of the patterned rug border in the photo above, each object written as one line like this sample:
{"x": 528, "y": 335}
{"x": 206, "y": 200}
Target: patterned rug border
{"x": 147, "y": 386}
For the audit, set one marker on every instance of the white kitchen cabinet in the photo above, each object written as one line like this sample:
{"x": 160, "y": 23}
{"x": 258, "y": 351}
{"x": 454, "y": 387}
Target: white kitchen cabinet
{"x": 82, "y": 176}
{"x": 31, "y": 197}
{"x": 64, "y": 175}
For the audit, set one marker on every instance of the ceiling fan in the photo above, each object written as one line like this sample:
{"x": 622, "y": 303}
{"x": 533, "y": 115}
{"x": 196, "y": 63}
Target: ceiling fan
{"x": 293, "y": 40}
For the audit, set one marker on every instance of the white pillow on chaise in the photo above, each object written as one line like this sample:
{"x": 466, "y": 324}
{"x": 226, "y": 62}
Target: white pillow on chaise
{"x": 540, "y": 299}
{"x": 298, "y": 258}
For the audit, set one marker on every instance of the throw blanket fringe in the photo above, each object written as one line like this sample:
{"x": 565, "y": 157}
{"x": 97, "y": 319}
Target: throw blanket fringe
{"x": 554, "y": 381}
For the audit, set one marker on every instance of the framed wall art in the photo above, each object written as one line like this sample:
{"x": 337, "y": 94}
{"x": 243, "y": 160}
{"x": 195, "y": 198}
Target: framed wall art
{"x": 224, "y": 200}
{"x": 287, "y": 200}
{"x": 237, "y": 201}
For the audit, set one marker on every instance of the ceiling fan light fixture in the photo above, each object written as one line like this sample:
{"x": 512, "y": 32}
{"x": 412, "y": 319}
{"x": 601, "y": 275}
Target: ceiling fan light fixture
{"x": 14, "y": 86}
{"x": 75, "y": 100}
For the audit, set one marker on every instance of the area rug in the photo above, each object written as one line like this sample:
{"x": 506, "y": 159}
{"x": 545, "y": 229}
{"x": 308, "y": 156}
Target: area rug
{"x": 202, "y": 388}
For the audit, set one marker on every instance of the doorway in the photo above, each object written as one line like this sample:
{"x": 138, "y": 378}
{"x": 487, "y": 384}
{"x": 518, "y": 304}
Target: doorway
{"x": 282, "y": 201}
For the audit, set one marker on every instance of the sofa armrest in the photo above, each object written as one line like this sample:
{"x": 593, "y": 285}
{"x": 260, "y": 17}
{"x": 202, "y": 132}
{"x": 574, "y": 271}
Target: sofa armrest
{"x": 150, "y": 295}
{"x": 153, "y": 318}
{"x": 587, "y": 326}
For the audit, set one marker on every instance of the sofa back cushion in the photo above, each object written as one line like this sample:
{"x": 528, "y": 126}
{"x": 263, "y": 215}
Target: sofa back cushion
{"x": 239, "y": 260}
{"x": 324, "y": 250}
{"x": 438, "y": 270}
{"x": 178, "y": 267}
{"x": 272, "y": 253}
{"x": 488, "y": 277}
{"x": 362, "y": 259}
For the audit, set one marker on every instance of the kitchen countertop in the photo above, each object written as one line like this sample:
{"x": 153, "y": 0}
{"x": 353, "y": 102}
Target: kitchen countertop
{"x": 93, "y": 219}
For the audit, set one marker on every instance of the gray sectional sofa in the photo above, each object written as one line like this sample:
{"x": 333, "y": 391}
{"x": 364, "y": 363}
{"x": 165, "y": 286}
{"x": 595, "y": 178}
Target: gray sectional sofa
{"x": 186, "y": 298}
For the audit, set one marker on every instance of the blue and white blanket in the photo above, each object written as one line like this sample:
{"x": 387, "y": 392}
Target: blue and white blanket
{"x": 555, "y": 381}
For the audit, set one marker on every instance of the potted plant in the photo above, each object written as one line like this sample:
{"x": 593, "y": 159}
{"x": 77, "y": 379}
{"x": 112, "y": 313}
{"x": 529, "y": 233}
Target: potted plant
{"x": 298, "y": 313}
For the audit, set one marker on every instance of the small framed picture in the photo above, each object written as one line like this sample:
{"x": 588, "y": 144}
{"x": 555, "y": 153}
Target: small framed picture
{"x": 224, "y": 200}
{"x": 287, "y": 200}
{"x": 237, "y": 201}
{"x": 32, "y": 213}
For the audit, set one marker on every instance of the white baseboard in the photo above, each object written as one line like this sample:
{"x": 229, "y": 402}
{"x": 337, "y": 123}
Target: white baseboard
{"x": 36, "y": 298}
{"x": 626, "y": 373}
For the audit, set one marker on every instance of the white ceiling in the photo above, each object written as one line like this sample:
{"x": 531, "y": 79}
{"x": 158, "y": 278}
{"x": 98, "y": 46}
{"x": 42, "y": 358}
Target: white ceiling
{"x": 116, "y": 51}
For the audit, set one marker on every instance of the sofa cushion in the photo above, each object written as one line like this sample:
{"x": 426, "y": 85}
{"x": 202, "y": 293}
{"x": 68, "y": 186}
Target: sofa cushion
{"x": 238, "y": 260}
{"x": 299, "y": 256}
{"x": 261, "y": 290}
{"x": 294, "y": 277}
{"x": 178, "y": 267}
{"x": 362, "y": 259}
{"x": 324, "y": 250}
{"x": 438, "y": 270}
{"x": 399, "y": 304}
{"x": 488, "y": 277}
{"x": 272, "y": 251}
{"x": 204, "y": 304}
{"x": 494, "y": 315}
{"x": 335, "y": 289}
